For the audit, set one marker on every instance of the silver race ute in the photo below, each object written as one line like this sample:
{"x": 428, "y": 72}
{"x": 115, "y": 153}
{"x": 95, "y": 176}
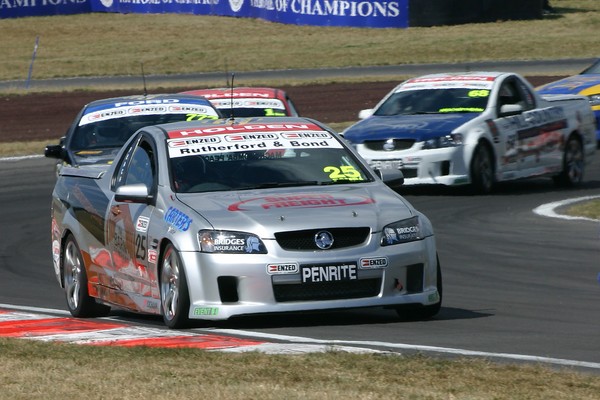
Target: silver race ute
{"x": 213, "y": 219}
{"x": 476, "y": 128}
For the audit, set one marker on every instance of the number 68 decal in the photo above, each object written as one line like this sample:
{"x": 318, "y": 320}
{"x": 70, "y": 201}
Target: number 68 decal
{"x": 345, "y": 172}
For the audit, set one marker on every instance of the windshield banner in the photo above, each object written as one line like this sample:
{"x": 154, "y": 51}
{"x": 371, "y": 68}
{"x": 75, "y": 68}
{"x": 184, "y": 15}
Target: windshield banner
{"x": 351, "y": 13}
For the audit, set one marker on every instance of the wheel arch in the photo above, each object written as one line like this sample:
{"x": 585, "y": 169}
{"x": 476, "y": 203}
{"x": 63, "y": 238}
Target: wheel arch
{"x": 575, "y": 133}
{"x": 482, "y": 169}
{"x": 63, "y": 242}
{"x": 484, "y": 141}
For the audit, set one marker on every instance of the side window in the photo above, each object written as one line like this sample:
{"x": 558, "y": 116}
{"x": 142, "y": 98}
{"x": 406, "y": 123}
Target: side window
{"x": 141, "y": 169}
{"x": 137, "y": 166}
{"x": 527, "y": 96}
{"x": 121, "y": 173}
{"x": 513, "y": 91}
{"x": 508, "y": 94}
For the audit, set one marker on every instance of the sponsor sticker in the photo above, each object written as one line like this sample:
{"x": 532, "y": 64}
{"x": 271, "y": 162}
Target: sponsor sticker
{"x": 242, "y": 128}
{"x": 373, "y": 262}
{"x": 177, "y": 219}
{"x": 152, "y": 256}
{"x": 247, "y": 103}
{"x": 282, "y": 268}
{"x": 199, "y": 311}
{"x": 329, "y": 273}
{"x": 142, "y": 224}
{"x": 148, "y": 107}
{"x": 303, "y": 200}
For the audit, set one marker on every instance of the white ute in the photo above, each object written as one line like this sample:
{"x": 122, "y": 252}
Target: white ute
{"x": 476, "y": 128}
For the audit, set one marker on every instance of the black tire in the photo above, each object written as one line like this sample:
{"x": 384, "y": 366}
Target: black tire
{"x": 75, "y": 282}
{"x": 482, "y": 170}
{"x": 419, "y": 313}
{"x": 174, "y": 294}
{"x": 573, "y": 164}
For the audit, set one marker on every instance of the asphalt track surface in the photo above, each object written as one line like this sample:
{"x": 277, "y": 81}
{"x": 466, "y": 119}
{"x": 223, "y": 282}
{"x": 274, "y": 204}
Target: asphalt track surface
{"x": 515, "y": 282}
{"x": 517, "y": 285}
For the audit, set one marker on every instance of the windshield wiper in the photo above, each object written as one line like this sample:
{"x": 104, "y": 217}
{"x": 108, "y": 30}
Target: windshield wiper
{"x": 341, "y": 182}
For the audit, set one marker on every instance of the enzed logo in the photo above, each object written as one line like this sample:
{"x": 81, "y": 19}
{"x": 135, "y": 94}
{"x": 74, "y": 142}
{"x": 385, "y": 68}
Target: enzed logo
{"x": 374, "y": 262}
{"x": 289, "y": 268}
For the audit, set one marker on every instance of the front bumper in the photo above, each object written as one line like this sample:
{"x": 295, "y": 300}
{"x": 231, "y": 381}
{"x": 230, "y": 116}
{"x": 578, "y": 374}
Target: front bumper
{"x": 443, "y": 166}
{"x": 222, "y": 286}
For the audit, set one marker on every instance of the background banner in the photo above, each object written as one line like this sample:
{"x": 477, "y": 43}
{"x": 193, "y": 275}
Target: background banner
{"x": 351, "y": 13}
{"x": 30, "y": 8}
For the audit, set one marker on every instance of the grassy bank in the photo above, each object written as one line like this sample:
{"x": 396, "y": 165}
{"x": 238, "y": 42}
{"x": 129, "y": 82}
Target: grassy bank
{"x": 33, "y": 370}
{"x": 112, "y": 44}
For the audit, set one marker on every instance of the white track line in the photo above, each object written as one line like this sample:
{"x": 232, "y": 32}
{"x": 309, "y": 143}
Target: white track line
{"x": 20, "y": 158}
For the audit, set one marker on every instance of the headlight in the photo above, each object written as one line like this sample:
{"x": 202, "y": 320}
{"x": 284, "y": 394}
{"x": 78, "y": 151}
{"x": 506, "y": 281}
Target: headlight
{"x": 230, "y": 242}
{"x": 407, "y": 230}
{"x": 594, "y": 100}
{"x": 452, "y": 140}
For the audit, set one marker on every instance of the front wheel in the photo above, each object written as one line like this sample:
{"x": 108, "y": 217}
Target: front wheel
{"x": 174, "y": 295}
{"x": 482, "y": 170}
{"x": 573, "y": 164}
{"x": 75, "y": 281}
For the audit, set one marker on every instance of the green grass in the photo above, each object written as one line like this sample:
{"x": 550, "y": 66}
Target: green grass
{"x": 115, "y": 44}
{"x": 34, "y": 370}
{"x": 587, "y": 209}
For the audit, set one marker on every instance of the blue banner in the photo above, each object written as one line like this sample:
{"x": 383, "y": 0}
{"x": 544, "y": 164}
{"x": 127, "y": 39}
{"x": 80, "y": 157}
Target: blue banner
{"x": 30, "y": 8}
{"x": 359, "y": 13}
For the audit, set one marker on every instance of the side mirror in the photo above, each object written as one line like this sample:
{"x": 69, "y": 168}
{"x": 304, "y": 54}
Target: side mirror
{"x": 54, "y": 151}
{"x": 510, "y": 109}
{"x": 394, "y": 178}
{"x": 136, "y": 193}
{"x": 362, "y": 114}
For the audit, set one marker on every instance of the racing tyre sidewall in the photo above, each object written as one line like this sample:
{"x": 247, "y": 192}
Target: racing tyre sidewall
{"x": 174, "y": 294}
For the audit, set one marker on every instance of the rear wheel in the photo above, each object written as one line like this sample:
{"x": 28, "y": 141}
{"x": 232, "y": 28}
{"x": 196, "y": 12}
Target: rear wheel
{"x": 573, "y": 164}
{"x": 174, "y": 295}
{"x": 75, "y": 281}
{"x": 424, "y": 312}
{"x": 482, "y": 169}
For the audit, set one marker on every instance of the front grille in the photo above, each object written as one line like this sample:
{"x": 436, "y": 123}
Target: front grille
{"x": 327, "y": 290}
{"x": 398, "y": 144}
{"x": 305, "y": 240}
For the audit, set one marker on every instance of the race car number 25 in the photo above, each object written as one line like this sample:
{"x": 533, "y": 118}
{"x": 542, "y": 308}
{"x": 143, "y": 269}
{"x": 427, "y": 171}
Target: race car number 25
{"x": 329, "y": 272}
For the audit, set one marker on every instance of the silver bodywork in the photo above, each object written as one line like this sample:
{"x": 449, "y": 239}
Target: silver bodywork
{"x": 271, "y": 261}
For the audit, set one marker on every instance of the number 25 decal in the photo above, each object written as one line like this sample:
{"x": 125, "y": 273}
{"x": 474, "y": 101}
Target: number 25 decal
{"x": 343, "y": 172}
{"x": 140, "y": 247}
